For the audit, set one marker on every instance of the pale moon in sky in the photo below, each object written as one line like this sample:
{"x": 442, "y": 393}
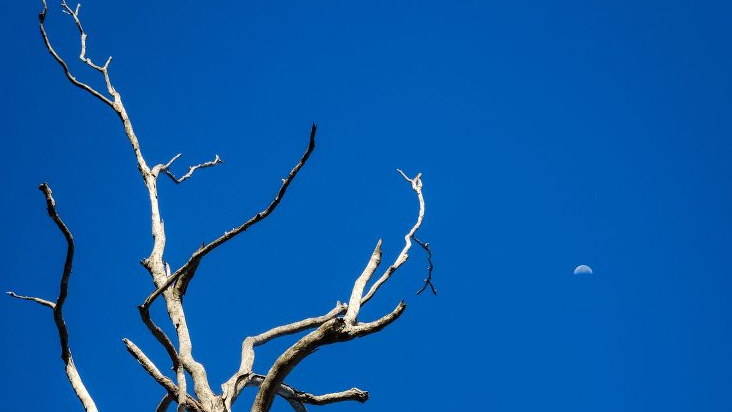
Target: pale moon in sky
{"x": 583, "y": 270}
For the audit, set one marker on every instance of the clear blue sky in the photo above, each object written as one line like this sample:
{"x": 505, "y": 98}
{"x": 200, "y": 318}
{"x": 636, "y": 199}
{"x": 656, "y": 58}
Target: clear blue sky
{"x": 549, "y": 134}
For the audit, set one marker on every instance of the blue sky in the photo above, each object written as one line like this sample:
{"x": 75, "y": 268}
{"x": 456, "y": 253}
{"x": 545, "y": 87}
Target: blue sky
{"x": 549, "y": 134}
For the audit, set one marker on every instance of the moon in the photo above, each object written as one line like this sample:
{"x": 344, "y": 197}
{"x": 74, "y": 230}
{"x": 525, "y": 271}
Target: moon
{"x": 583, "y": 270}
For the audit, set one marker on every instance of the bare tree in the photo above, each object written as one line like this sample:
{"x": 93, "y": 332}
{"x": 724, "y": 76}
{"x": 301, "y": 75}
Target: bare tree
{"x": 340, "y": 324}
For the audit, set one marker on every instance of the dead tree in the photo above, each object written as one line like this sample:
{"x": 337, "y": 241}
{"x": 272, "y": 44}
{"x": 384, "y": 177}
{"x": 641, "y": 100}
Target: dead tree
{"x": 340, "y": 324}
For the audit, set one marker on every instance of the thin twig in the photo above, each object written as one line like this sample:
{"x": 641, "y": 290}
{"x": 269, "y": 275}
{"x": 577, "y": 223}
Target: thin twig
{"x": 428, "y": 280}
{"x": 288, "y": 392}
{"x": 191, "y": 169}
{"x": 40, "y": 301}
{"x": 74, "y": 81}
{"x": 82, "y": 54}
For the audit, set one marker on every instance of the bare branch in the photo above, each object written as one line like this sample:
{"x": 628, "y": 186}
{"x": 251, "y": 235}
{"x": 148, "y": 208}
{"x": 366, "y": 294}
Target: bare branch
{"x": 353, "y": 394}
{"x": 159, "y": 335}
{"x": 189, "y": 267}
{"x": 71, "y": 372}
{"x": 297, "y": 405}
{"x": 363, "y": 329}
{"x": 155, "y": 373}
{"x": 74, "y": 81}
{"x": 404, "y": 255}
{"x": 289, "y": 393}
{"x": 182, "y": 394}
{"x": 164, "y": 403}
{"x": 191, "y": 169}
{"x": 354, "y": 304}
{"x": 332, "y": 331}
{"x": 428, "y": 280}
{"x": 82, "y": 54}
{"x": 33, "y": 298}
{"x": 232, "y": 387}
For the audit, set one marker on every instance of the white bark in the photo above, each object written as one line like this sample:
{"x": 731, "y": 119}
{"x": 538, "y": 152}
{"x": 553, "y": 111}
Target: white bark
{"x": 340, "y": 324}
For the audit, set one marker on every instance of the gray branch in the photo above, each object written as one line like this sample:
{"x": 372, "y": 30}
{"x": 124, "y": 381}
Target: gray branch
{"x": 173, "y": 390}
{"x": 291, "y": 394}
{"x": 164, "y": 403}
{"x": 233, "y": 387}
{"x": 333, "y": 331}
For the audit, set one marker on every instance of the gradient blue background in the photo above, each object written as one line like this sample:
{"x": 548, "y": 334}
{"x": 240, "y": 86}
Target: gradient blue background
{"x": 549, "y": 134}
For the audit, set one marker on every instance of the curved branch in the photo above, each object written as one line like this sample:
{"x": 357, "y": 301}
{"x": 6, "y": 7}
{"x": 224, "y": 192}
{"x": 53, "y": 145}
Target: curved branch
{"x": 189, "y": 267}
{"x": 74, "y": 81}
{"x": 428, "y": 280}
{"x": 233, "y": 387}
{"x": 71, "y": 372}
{"x": 404, "y": 255}
{"x": 332, "y": 331}
{"x": 164, "y": 403}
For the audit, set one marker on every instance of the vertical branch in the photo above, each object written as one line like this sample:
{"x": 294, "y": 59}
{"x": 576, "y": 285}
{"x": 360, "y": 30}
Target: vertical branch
{"x": 181, "y": 377}
{"x": 430, "y": 267}
{"x": 71, "y": 371}
{"x": 416, "y": 184}
{"x": 154, "y": 263}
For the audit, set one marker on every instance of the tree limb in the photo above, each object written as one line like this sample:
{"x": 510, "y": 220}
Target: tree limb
{"x": 164, "y": 403}
{"x": 289, "y": 393}
{"x": 166, "y": 168}
{"x": 404, "y": 255}
{"x": 233, "y": 387}
{"x": 72, "y": 79}
{"x": 189, "y": 267}
{"x": 167, "y": 383}
{"x": 354, "y": 304}
{"x": 40, "y": 301}
{"x": 428, "y": 280}
{"x": 71, "y": 372}
{"x": 332, "y": 331}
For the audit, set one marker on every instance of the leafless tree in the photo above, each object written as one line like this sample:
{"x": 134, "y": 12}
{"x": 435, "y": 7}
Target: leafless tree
{"x": 340, "y": 324}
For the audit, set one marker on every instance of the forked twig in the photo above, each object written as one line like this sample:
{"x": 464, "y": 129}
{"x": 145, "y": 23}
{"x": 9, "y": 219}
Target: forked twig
{"x": 192, "y": 263}
{"x": 428, "y": 280}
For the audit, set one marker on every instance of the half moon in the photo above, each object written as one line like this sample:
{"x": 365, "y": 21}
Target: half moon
{"x": 583, "y": 270}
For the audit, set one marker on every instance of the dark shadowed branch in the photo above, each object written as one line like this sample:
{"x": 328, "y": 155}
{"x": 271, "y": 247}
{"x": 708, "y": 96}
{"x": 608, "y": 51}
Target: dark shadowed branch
{"x": 71, "y": 372}
{"x": 430, "y": 266}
